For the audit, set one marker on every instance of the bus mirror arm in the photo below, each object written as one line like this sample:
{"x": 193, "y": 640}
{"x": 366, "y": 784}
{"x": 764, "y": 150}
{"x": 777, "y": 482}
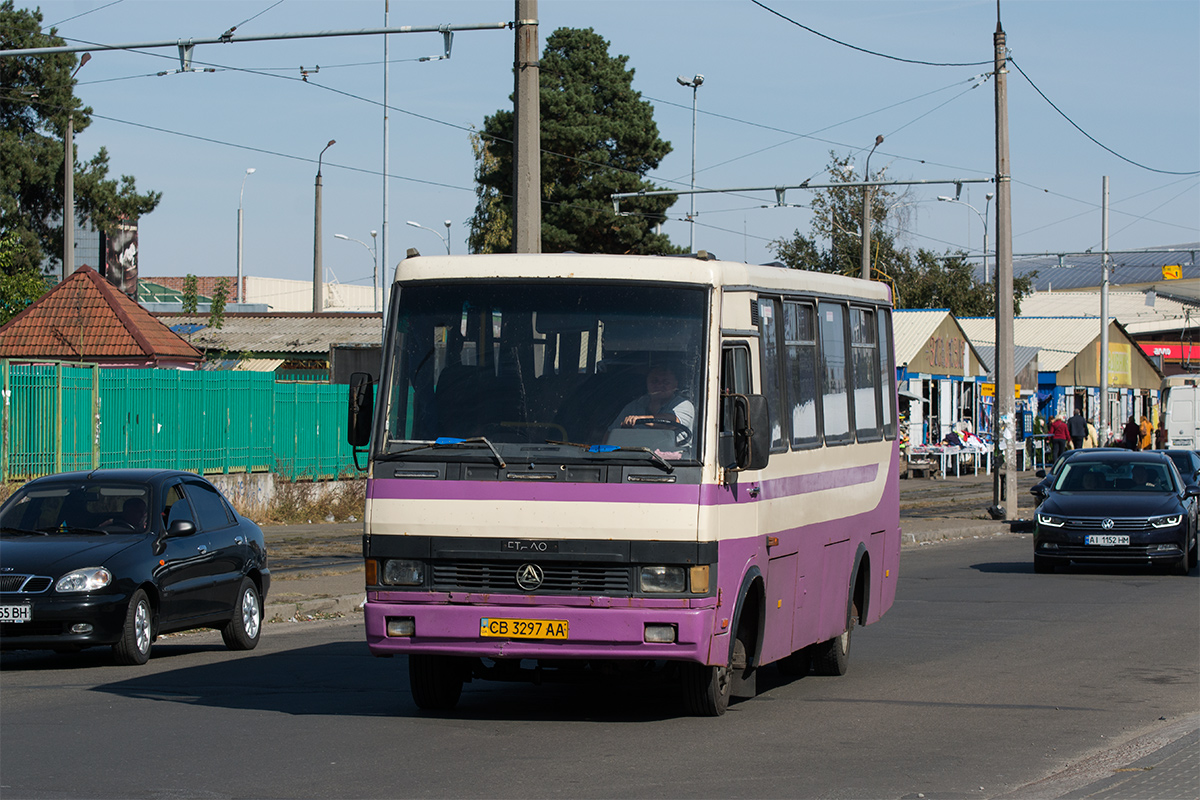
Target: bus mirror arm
{"x": 361, "y": 410}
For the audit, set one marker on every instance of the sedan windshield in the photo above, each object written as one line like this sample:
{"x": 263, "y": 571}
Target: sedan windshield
{"x": 480, "y": 368}
{"x": 84, "y": 507}
{"x": 1082, "y": 475}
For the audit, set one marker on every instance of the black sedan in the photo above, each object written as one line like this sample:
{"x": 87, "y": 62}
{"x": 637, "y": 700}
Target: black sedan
{"x": 118, "y": 557}
{"x": 1117, "y": 506}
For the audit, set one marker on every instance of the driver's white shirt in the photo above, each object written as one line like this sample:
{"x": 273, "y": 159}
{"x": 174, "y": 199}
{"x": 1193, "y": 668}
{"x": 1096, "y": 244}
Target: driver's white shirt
{"x": 677, "y": 406}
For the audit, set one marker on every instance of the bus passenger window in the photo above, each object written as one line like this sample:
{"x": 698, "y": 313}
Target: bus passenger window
{"x": 800, "y": 341}
{"x": 772, "y": 386}
{"x": 835, "y": 400}
{"x": 865, "y": 365}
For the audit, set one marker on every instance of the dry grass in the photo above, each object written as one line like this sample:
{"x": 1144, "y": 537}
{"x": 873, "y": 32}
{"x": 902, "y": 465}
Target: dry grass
{"x": 304, "y": 502}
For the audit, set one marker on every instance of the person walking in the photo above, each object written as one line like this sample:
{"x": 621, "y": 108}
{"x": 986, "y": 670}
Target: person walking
{"x": 1092, "y": 439}
{"x": 1146, "y": 438}
{"x": 1161, "y": 439}
{"x": 1077, "y": 427}
{"x": 1059, "y": 436}
{"x": 1132, "y": 434}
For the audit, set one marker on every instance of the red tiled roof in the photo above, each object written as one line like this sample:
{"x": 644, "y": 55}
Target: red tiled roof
{"x": 86, "y": 318}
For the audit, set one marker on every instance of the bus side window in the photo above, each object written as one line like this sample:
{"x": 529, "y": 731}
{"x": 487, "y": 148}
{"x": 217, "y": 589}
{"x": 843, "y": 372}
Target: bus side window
{"x": 772, "y": 382}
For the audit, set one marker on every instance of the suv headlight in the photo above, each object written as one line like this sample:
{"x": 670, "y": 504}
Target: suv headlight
{"x": 1168, "y": 521}
{"x": 403, "y": 572}
{"x": 1050, "y": 521}
{"x": 663, "y": 579}
{"x": 88, "y": 579}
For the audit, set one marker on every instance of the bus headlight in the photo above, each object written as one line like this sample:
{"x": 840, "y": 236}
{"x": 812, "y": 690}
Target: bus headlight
{"x": 403, "y": 572}
{"x": 663, "y": 579}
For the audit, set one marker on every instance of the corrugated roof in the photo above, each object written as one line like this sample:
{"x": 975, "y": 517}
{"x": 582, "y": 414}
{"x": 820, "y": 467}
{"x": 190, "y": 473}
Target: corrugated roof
{"x": 912, "y": 328}
{"x": 1058, "y": 339}
{"x": 1129, "y": 308}
{"x": 302, "y": 335}
{"x": 86, "y": 318}
{"x": 1070, "y": 272}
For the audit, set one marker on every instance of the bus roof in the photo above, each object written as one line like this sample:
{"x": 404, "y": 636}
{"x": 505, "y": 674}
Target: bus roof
{"x": 659, "y": 269}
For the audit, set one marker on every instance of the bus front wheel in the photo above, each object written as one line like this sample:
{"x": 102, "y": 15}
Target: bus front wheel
{"x": 436, "y": 681}
{"x": 706, "y": 689}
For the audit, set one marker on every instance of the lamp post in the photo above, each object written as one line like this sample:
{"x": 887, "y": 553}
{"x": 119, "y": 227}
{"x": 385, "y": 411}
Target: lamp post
{"x": 445, "y": 239}
{"x": 866, "y": 215}
{"x": 318, "y": 273}
{"x": 241, "y": 296}
{"x": 695, "y": 84}
{"x": 982, "y": 218}
{"x": 68, "y": 259}
{"x": 374, "y": 258}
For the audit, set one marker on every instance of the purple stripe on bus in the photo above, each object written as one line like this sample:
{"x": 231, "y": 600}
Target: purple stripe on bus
{"x": 402, "y": 489}
{"x": 790, "y": 486}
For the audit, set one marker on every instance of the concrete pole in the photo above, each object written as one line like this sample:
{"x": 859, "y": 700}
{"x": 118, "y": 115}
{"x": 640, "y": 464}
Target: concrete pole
{"x": 867, "y": 215}
{"x": 1004, "y": 490}
{"x": 68, "y": 259}
{"x": 527, "y": 169}
{"x": 1102, "y": 416}
{"x": 383, "y": 229}
{"x": 318, "y": 270}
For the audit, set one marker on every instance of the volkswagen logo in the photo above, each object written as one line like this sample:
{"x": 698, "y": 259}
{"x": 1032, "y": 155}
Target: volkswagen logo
{"x": 1107, "y": 524}
{"x": 529, "y": 576}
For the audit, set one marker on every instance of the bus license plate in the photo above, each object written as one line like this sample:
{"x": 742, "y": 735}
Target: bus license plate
{"x": 15, "y": 613}
{"x": 1106, "y": 539}
{"x": 523, "y": 628}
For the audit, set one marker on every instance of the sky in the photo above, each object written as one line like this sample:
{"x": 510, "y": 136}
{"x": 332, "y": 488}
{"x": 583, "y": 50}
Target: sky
{"x": 776, "y": 99}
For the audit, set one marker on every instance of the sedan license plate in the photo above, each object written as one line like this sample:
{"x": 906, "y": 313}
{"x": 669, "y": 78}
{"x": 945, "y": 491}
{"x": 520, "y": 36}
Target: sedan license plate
{"x": 15, "y": 613}
{"x": 1106, "y": 539}
{"x": 523, "y": 628}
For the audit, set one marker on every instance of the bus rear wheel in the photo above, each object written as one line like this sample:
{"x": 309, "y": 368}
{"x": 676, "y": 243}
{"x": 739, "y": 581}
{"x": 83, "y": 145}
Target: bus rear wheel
{"x": 832, "y": 657}
{"x": 436, "y": 681}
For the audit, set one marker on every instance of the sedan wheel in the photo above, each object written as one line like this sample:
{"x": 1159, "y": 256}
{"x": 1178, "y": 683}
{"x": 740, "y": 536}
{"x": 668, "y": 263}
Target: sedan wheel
{"x": 243, "y": 630}
{"x": 134, "y": 645}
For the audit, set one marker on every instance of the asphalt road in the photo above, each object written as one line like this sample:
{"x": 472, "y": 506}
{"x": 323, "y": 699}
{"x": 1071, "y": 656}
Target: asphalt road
{"x": 983, "y": 679}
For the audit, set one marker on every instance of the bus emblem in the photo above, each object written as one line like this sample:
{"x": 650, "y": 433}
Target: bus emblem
{"x": 529, "y": 576}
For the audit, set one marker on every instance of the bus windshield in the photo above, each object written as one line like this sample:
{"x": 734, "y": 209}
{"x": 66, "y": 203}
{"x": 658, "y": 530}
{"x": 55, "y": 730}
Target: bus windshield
{"x": 587, "y": 368}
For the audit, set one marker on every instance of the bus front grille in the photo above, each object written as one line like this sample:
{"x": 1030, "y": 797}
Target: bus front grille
{"x": 557, "y": 578}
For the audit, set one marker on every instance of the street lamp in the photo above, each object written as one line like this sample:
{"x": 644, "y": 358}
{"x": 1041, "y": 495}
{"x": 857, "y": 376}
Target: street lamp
{"x": 241, "y": 296}
{"x": 866, "y": 215}
{"x": 445, "y": 239}
{"x": 68, "y": 259}
{"x": 318, "y": 273}
{"x": 695, "y": 84}
{"x": 982, "y": 218}
{"x": 374, "y": 258}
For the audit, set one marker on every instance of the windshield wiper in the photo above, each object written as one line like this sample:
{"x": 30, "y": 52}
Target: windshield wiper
{"x": 64, "y": 528}
{"x": 450, "y": 441}
{"x": 613, "y": 448}
{"x": 25, "y": 531}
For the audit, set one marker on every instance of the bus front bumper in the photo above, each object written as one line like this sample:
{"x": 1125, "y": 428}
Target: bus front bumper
{"x": 508, "y": 627}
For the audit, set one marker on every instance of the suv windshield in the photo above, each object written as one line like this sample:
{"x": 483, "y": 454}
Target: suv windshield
{"x": 554, "y": 364}
{"x": 84, "y": 507}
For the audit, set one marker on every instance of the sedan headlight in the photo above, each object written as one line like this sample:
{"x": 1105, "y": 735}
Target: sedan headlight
{"x": 1168, "y": 521}
{"x": 403, "y": 572}
{"x": 88, "y": 579}
{"x": 1050, "y": 521}
{"x": 663, "y": 579}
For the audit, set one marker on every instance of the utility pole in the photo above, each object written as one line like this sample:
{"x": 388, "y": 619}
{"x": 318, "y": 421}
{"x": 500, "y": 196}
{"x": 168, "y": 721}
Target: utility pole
{"x": 527, "y": 144}
{"x": 1004, "y": 488}
{"x": 68, "y": 259}
{"x": 866, "y": 215}
{"x": 318, "y": 270}
{"x": 384, "y": 227}
{"x": 1102, "y": 413}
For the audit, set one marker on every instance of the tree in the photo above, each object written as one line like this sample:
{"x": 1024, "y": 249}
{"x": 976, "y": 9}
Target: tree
{"x": 216, "y": 311}
{"x": 17, "y": 289}
{"x": 598, "y": 137}
{"x": 190, "y": 294}
{"x": 35, "y": 101}
{"x": 921, "y": 280}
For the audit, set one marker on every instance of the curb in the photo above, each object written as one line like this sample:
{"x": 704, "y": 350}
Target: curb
{"x": 310, "y": 608}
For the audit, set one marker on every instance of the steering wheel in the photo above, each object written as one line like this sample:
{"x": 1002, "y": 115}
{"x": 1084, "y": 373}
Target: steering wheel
{"x": 120, "y": 526}
{"x": 683, "y": 432}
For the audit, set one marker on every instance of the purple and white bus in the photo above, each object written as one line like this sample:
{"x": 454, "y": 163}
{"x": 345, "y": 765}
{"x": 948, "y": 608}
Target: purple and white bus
{"x": 579, "y": 459}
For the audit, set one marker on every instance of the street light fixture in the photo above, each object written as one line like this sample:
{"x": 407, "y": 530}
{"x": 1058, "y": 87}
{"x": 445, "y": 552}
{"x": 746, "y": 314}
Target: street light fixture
{"x": 241, "y": 295}
{"x": 374, "y": 258}
{"x": 445, "y": 239}
{"x": 318, "y": 273}
{"x": 866, "y": 215}
{"x": 982, "y": 218}
{"x": 695, "y": 84}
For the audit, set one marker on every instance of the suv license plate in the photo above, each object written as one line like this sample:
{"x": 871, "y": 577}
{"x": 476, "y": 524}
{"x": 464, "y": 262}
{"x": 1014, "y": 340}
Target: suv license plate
{"x": 1106, "y": 539}
{"x": 16, "y": 613}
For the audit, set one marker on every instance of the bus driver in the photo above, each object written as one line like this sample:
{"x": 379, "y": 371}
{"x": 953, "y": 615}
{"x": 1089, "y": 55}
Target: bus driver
{"x": 662, "y": 401}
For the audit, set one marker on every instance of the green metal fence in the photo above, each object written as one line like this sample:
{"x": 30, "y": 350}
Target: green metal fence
{"x": 63, "y": 417}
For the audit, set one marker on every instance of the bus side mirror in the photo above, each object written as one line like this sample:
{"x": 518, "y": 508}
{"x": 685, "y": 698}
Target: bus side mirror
{"x": 361, "y": 409}
{"x": 751, "y": 435}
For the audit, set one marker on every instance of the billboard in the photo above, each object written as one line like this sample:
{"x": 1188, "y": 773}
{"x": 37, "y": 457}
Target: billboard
{"x": 120, "y": 257}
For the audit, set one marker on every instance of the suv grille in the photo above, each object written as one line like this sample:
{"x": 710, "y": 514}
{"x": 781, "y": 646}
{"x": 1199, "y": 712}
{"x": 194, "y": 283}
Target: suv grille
{"x": 501, "y": 576}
